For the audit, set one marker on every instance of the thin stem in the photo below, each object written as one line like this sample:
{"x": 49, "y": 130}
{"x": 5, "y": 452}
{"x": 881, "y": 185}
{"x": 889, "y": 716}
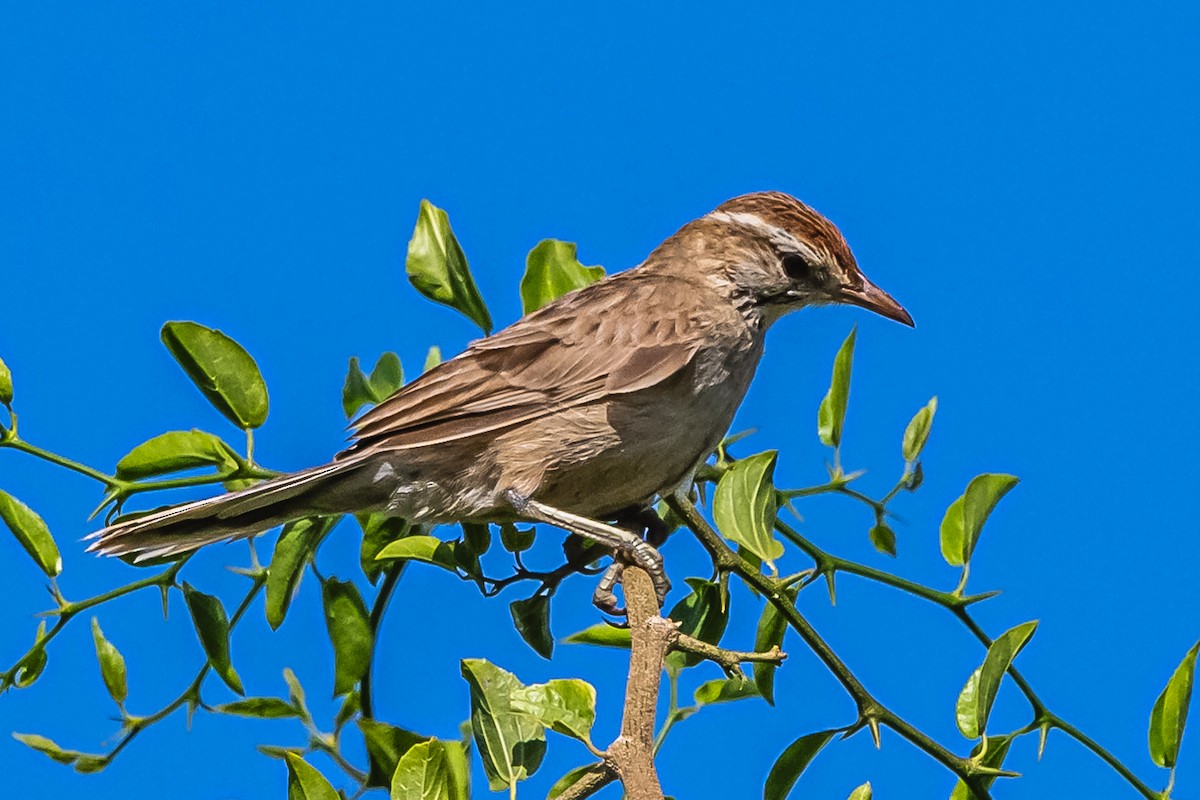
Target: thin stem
{"x": 83, "y": 469}
{"x": 390, "y": 578}
{"x": 1104, "y": 755}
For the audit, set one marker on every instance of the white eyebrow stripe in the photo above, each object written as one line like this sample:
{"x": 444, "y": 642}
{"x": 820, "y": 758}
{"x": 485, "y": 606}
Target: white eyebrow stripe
{"x": 773, "y": 233}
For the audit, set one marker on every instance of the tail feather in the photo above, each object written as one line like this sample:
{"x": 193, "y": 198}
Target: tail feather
{"x": 183, "y": 528}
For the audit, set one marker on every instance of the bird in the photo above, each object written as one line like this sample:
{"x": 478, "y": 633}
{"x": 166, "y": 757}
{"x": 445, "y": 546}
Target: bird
{"x": 578, "y": 415}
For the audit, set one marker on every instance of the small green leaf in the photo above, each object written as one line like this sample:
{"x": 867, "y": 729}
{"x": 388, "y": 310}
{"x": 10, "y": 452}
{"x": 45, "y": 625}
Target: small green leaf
{"x": 965, "y": 517}
{"x": 346, "y": 620}
{"x": 552, "y": 270}
{"x": 477, "y": 536}
{"x": 295, "y": 690}
{"x": 420, "y": 548}
{"x": 567, "y": 781}
{"x": 917, "y": 432}
{"x": 531, "y": 617}
{"x": 176, "y": 451}
{"x": 438, "y": 268}
{"x": 832, "y": 414}
{"x": 978, "y": 696}
{"x": 725, "y": 690}
{"x": 112, "y": 665}
{"x": 703, "y": 614}
{"x": 862, "y": 792}
{"x": 997, "y": 749}
{"x": 212, "y": 626}
{"x": 48, "y": 748}
{"x": 386, "y": 744}
{"x": 360, "y": 390}
{"x": 379, "y": 530}
{"x": 387, "y": 376}
{"x": 884, "y": 539}
{"x": 432, "y": 358}
{"x": 293, "y": 550}
{"x": 426, "y": 772}
{"x": 305, "y": 782}
{"x": 222, "y": 370}
{"x": 516, "y": 540}
{"x": 745, "y": 504}
{"x": 564, "y": 706}
{"x": 792, "y": 762}
{"x": 511, "y": 744}
{"x": 601, "y": 635}
{"x": 259, "y": 707}
{"x": 31, "y": 532}
{"x": 6, "y": 384}
{"x": 771, "y": 628}
{"x": 1170, "y": 712}
{"x": 33, "y": 664}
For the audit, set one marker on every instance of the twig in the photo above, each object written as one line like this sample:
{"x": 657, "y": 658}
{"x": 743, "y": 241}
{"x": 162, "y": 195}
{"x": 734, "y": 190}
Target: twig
{"x": 727, "y": 660}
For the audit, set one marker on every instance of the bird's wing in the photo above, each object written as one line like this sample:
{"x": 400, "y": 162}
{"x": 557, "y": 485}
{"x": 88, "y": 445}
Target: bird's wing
{"x": 621, "y": 335}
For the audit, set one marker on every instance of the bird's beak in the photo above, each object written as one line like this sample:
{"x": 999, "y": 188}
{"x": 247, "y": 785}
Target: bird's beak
{"x": 872, "y": 298}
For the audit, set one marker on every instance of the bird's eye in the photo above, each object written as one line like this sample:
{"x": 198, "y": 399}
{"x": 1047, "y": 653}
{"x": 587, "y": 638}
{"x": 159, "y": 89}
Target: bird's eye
{"x": 798, "y": 269}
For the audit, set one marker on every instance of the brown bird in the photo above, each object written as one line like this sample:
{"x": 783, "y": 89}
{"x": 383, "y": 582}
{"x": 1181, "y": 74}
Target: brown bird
{"x": 576, "y": 415}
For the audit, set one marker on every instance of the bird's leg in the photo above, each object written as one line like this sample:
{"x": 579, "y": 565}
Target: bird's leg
{"x": 626, "y": 543}
{"x": 655, "y": 531}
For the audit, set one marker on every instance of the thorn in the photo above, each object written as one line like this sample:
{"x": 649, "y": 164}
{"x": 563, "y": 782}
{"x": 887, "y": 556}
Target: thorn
{"x": 979, "y": 598}
{"x": 873, "y": 724}
{"x": 1043, "y": 732}
{"x": 829, "y": 582}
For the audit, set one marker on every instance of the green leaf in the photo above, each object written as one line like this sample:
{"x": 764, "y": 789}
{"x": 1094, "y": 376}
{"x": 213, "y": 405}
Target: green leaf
{"x": 965, "y": 517}
{"x": 293, "y": 550}
{"x": 112, "y": 665}
{"x": 426, "y": 772}
{"x": 346, "y": 620}
{"x": 1170, "y": 712}
{"x": 771, "y": 628}
{"x": 792, "y": 762}
{"x": 360, "y": 390}
{"x": 516, "y": 540}
{"x": 420, "y": 548}
{"x": 33, "y": 664}
{"x": 305, "y": 782}
{"x": 295, "y": 690}
{"x": 222, "y": 370}
{"x": 212, "y": 626}
{"x": 259, "y": 707}
{"x": 975, "y": 702}
{"x": 832, "y": 413}
{"x": 567, "y": 781}
{"x": 566, "y": 706}
{"x": 477, "y": 536}
{"x": 602, "y": 635}
{"x": 884, "y": 539}
{"x": 552, "y": 270}
{"x": 379, "y": 530}
{"x": 6, "y": 384}
{"x": 725, "y": 690}
{"x": 531, "y": 617}
{"x": 49, "y": 748}
{"x": 917, "y": 432}
{"x": 31, "y": 532}
{"x": 862, "y": 792}
{"x": 703, "y": 614}
{"x": 176, "y": 451}
{"x": 438, "y": 268}
{"x": 511, "y": 744}
{"x": 997, "y": 749}
{"x": 745, "y": 504}
{"x": 386, "y": 744}
{"x": 432, "y": 358}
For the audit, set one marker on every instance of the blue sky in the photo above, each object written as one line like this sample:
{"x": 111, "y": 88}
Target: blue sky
{"x": 1021, "y": 176}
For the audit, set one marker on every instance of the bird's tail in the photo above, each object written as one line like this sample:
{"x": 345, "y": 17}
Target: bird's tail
{"x": 242, "y": 514}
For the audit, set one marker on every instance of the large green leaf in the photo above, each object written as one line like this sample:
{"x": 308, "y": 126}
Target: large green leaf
{"x": 31, "y": 532}
{"x": 977, "y": 697}
{"x": 438, "y": 268}
{"x": 386, "y": 744}
{"x": 112, "y": 665}
{"x": 792, "y": 762}
{"x": 176, "y": 451}
{"x": 567, "y": 781}
{"x": 379, "y": 530}
{"x": 6, "y": 384}
{"x": 832, "y": 413}
{"x": 917, "y": 432}
{"x": 703, "y": 614}
{"x": 511, "y": 743}
{"x": 531, "y": 617}
{"x": 420, "y": 548}
{"x": 305, "y": 782}
{"x": 1170, "y": 712}
{"x": 965, "y": 517}
{"x": 222, "y": 369}
{"x": 566, "y": 706}
{"x": 349, "y": 628}
{"x": 426, "y": 772}
{"x": 745, "y": 504}
{"x": 552, "y": 270}
{"x": 212, "y": 626}
{"x": 293, "y": 550}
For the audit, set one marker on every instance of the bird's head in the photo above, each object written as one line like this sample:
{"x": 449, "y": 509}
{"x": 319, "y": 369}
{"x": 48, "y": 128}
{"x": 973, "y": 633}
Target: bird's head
{"x": 772, "y": 254}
